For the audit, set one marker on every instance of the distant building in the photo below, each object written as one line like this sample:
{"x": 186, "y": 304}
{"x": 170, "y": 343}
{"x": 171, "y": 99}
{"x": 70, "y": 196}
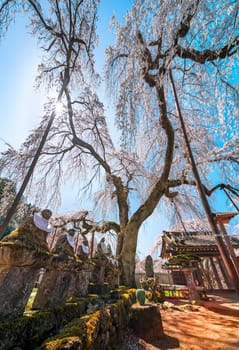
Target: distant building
{"x": 197, "y": 239}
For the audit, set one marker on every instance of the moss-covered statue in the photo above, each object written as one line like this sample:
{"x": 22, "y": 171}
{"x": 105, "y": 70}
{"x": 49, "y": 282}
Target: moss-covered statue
{"x": 65, "y": 245}
{"x": 84, "y": 250}
{"x": 101, "y": 249}
{"x": 33, "y": 231}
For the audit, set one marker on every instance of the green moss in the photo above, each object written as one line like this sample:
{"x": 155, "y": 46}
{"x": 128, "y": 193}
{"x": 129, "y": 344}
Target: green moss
{"x": 88, "y": 329}
{"x": 73, "y": 300}
{"x": 93, "y": 295}
{"x": 58, "y": 344}
{"x": 36, "y": 325}
{"x": 183, "y": 259}
{"x": 86, "y": 332}
{"x": 31, "y": 299}
{"x": 123, "y": 288}
{"x": 92, "y": 328}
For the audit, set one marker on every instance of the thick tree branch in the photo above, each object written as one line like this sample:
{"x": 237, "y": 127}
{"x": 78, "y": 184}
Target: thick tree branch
{"x": 160, "y": 187}
{"x": 208, "y": 55}
{"x": 180, "y": 182}
{"x": 77, "y": 141}
{"x": 147, "y": 63}
{"x": 185, "y": 25}
{"x": 39, "y": 14}
{"x": 104, "y": 227}
{"x": 5, "y": 3}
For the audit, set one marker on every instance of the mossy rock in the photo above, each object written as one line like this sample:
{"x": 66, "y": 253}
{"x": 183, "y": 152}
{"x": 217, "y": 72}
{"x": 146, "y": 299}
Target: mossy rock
{"x": 30, "y": 330}
{"x": 95, "y": 331}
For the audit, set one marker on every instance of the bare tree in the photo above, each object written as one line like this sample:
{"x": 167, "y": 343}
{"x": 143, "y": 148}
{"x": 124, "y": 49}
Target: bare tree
{"x": 197, "y": 40}
{"x": 69, "y": 44}
{"x": 152, "y": 160}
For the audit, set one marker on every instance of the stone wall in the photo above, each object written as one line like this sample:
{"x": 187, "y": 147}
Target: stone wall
{"x": 28, "y": 331}
{"x": 20, "y": 267}
{"x": 95, "y": 330}
{"x": 62, "y": 275}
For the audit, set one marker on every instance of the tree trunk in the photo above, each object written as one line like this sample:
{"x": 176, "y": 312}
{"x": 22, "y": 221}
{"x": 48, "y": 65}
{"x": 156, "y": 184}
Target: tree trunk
{"x": 127, "y": 256}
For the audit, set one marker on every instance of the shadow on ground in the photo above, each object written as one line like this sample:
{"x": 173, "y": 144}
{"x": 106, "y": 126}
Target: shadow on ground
{"x": 131, "y": 342}
{"x": 164, "y": 343}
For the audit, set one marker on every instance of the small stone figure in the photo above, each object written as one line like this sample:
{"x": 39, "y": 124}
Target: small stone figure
{"x": 101, "y": 248}
{"x": 84, "y": 250}
{"x": 70, "y": 236}
{"x": 65, "y": 245}
{"x": 149, "y": 267}
{"x": 33, "y": 231}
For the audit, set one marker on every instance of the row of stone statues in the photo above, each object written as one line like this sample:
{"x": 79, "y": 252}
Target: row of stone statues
{"x": 67, "y": 271}
{"x": 67, "y": 244}
{"x": 38, "y": 232}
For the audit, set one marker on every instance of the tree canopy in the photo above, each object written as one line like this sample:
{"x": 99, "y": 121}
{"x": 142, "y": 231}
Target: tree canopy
{"x": 195, "y": 40}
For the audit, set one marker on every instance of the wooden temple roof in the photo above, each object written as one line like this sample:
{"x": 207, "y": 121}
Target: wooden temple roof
{"x": 201, "y": 243}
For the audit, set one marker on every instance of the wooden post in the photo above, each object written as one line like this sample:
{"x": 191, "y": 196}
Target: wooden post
{"x": 199, "y": 276}
{"x": 222, "y": 219}
{"x": 207, "y": 272}
{"x": 219, "y": 283}
{"x": 224, "y": 273}
{"x": 219, "y": 241}
{"x": 207, "y": 283}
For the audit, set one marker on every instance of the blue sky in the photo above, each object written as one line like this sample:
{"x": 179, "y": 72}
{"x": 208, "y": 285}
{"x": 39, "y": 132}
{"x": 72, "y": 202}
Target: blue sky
{"x": 21, "y": 105}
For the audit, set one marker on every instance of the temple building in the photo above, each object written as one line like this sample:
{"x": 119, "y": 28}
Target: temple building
{"x": 210, "y": 271}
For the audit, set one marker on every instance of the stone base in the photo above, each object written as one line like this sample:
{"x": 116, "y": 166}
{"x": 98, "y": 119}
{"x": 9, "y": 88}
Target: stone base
{"x": 16, "y": 284}
{"x": 98, "y": 288}
{"x": 57, "y": 286}
{"x": 146, "y": 321}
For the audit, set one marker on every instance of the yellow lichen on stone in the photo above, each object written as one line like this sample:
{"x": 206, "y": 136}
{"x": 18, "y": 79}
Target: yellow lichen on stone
{"x": 92, "y": 327}
{"x": 28, "y": 235}
{"x": 59, "y": 344}
{"x": 96, "y": 330}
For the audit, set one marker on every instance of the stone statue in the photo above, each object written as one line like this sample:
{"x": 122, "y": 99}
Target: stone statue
{"x": 33, "y": 231}
{"x": 83, "y": 250}
{"x": 149, "y": 267}
{"x": 101, "y": 248}
{"x": 65, "y": 245}
{"x": 22, "y": 254}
